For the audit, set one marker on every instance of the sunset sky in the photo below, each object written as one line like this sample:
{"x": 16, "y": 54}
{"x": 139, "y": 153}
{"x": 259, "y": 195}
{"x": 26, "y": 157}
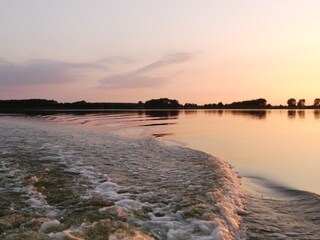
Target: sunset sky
{"x": 126, "y": 51}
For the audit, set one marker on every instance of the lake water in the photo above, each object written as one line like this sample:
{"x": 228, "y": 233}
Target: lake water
{"x": 275, "y": 152}
{"x": 280, "y": 146}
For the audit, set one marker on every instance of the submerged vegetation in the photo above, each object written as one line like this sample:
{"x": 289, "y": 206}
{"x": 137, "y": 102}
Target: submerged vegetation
{"x": 161, "y": 103}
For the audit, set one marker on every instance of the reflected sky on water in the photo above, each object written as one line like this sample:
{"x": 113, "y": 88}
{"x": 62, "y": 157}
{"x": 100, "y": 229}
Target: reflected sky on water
{"x": 279, "y": 145}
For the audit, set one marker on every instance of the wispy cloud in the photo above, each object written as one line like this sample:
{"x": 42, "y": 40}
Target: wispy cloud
{"x": 143, "y": 77}
{"x": 46, "y": 71}
{"x": 115, "y": 60}
{"x": 41, "y": 71}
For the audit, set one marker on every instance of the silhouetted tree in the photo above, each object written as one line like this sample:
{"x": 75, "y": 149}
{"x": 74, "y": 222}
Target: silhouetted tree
{"x": 256, "y": 103}
{"x": 162, "y": 103}
{"x": 220, "y": 105}
{"x": 32, "y": 104}
{"x": 301, "y": 102}
{"x": 316, "y": 102}
{"x": 190, "y": 105}
{"x": 140, "y": 104}
{"x": 210, "y": 106}
{"x": 292, "y": 102}
{"x": 28, "y": 104}
{"x": 79, "y": 104}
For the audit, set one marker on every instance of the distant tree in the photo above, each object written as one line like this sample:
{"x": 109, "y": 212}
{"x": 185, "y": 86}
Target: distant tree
{"x": 316, "y": 102}
{"x": 80, "y": 102}
{"x": 28, "y": 104}
{"x": 262, "y": 102}
{"x": 190, "y": 105}
{"x": 256, "y": 103}
{"x": 292, "y": 102}
{"x": 301, "y": 102}
{"x": 162, "y": 103}
{"x": 140, "y": 104}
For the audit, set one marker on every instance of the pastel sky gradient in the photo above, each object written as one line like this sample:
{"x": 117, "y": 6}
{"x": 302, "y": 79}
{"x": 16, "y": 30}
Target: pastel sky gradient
{"x": 126, "y": 51}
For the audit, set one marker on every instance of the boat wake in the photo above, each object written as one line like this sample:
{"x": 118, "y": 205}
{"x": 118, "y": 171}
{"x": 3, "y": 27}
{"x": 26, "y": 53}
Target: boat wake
{"x": 62, "y": 182}
{"x": 277, "y": 212}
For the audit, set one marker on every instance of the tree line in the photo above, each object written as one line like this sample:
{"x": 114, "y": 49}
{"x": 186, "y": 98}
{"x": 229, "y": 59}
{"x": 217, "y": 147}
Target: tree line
{"x": 161, "y": 103}
{"x": 292, "y": 102}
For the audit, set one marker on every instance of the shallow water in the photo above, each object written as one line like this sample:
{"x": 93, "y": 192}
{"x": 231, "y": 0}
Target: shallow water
{"x": 275, "y": 152}
{"x": 64, "y": 182}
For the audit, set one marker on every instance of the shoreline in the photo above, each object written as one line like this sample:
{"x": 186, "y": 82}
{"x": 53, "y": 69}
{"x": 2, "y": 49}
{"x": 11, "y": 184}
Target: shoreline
{"x": 99, "y": 110}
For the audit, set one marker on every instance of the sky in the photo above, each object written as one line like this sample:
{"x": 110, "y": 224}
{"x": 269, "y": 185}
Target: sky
{"x": 128, "y": 51}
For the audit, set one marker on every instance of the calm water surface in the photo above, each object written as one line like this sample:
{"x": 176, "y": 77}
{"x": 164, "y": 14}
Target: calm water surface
{"x": 281, "y": 146}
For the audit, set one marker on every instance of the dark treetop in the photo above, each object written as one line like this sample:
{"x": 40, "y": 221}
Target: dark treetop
{"x": 161, "y": 103}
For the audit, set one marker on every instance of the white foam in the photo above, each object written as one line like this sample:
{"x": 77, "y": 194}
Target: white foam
{"x": 128, "y": 203}
{"x": 49, "y": 225}
{"x": 107, "y": 186}
{"x": 67, "y": 234}
{"x": 110, "y": 195}
{"x": 37, "y": 201}
{"x": 150, "y": 166}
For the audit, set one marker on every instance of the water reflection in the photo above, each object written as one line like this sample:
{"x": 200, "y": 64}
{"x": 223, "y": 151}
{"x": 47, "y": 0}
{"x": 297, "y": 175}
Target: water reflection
{"x": 301, "y": 114}
{"x": 292, "y": 114}
{"x": 158, "y": 115}
{"x": 277, "y": 144}
{"x": 316, "y": 114}
{"x": 255, "y": 144}
{"x": 191, "y": 112}
{"x": 169, "y": 114}
{"x": 256, "y": 114}
{"x": 214, "y": 112}
{"x": 157, "y": 124}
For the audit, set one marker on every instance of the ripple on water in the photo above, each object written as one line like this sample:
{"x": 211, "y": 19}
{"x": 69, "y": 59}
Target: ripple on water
{"x": 276, "y": 212}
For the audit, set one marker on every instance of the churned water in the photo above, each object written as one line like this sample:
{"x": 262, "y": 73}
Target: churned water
{"x": 88, "y": 175}
{"x": 65, "y": 182}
